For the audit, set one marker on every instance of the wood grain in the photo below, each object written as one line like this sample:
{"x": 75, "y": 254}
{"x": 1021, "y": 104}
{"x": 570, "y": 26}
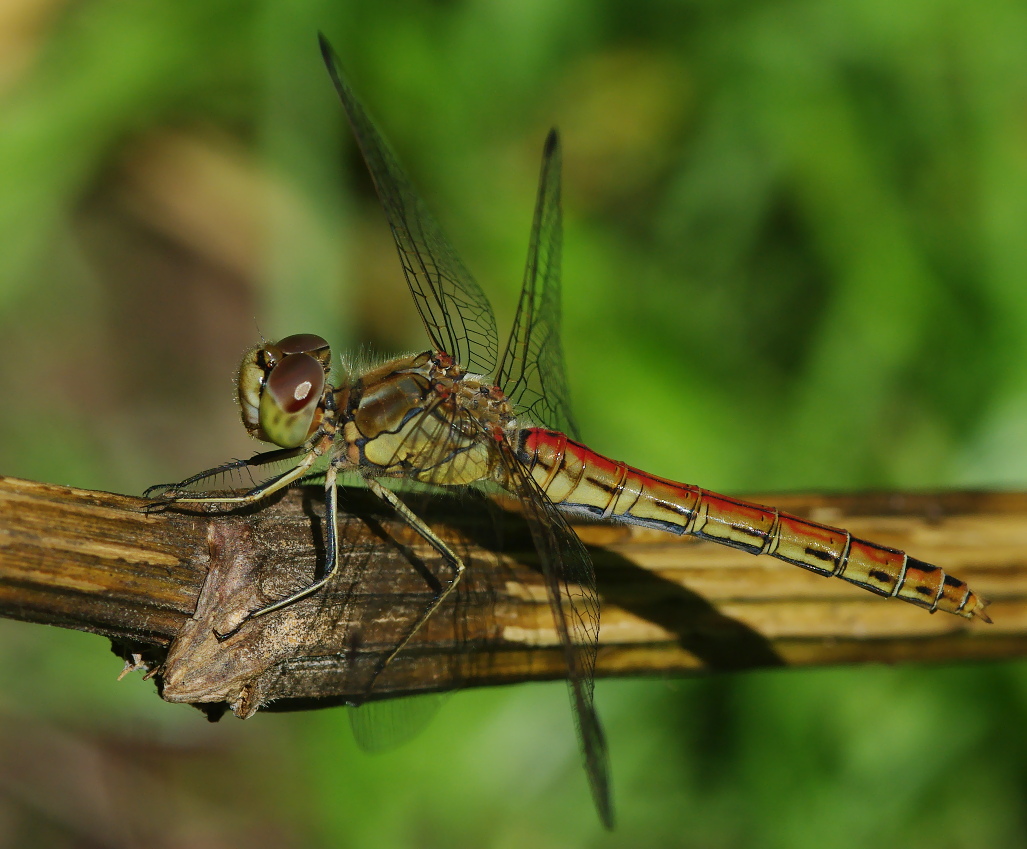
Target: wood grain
{"x": 671, "y": 605}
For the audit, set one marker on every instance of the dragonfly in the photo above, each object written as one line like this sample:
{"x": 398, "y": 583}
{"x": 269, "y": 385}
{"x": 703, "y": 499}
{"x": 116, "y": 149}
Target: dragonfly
{"x": 461, "y": 414}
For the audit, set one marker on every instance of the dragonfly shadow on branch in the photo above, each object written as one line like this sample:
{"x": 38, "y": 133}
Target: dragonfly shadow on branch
{"x": 718, "y": 642}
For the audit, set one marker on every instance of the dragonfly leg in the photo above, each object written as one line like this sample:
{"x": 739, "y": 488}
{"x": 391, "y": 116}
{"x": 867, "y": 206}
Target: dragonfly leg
{"x": 454, "y": 562}
{"x": 262, "y": 459}
{"x": 331, "y": 558}
{"x": 260, "y": 491}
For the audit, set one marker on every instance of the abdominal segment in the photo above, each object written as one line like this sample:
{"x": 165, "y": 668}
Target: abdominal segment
{"x": 578, "y": 479}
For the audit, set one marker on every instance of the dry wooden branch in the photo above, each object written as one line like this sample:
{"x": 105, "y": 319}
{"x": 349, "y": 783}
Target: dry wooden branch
{"x": 102, "y": 563}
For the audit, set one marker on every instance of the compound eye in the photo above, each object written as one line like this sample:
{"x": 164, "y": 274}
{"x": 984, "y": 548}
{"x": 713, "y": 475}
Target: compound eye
{"x": 290, "y": 400}
{"x": 307, "y": 343}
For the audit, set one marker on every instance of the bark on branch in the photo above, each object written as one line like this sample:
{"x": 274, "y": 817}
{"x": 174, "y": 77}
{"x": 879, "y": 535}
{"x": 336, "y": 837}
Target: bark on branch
{"x": 102, "y": 563}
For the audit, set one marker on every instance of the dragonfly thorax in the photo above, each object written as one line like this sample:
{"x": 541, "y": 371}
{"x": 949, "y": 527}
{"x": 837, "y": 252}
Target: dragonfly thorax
{"x": 423, "y": 417}
{"x": 282, "y": 388}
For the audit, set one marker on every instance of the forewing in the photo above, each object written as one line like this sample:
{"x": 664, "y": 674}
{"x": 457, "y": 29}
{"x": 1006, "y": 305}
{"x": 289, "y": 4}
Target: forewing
{"x": 571, "y": 588}
{"x": 532, "y": 372}
{"x": 453, "y": 307}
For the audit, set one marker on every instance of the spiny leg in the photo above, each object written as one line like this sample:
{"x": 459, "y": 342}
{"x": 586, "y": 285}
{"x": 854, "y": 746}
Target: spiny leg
{"x": 331, "y": 557}
{"x": 454, "y": 562}
{"x": 262, "y": 490}
{"x": 261, "y": 459}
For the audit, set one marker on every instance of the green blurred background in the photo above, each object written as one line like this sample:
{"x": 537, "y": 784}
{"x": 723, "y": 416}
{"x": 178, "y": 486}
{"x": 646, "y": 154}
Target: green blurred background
{"x": 794, "y": 260}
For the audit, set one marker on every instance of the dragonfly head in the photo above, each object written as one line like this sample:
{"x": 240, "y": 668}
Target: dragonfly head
{"x": 281, "y": 387}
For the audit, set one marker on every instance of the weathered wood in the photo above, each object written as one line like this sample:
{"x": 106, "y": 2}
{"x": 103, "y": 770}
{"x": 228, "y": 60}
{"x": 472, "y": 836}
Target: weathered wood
{"x": 102, "y": 563}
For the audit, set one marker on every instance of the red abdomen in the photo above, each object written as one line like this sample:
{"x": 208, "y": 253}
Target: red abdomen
{"x": 579, "y": 480}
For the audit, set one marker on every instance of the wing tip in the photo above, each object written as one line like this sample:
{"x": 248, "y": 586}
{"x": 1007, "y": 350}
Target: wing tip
{"x": 328, "y": 55}
{"x": 552, "y": 141}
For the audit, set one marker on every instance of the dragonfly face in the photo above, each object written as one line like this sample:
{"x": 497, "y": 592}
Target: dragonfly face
{"x": 282, "y": 388}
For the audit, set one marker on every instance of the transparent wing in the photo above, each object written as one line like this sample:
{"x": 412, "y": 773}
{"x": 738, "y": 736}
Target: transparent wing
{"x": 532, "y": 371}
{"x": 453, "y": 307}
{"x": 390, "y": 723}
{"x": 571, "y": 588}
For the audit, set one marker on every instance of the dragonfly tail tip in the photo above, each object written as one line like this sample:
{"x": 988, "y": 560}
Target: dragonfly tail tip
{"x": 980, "y": 613}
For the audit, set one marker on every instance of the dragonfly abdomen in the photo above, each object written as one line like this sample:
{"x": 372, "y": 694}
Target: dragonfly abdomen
{"x": 579, "y": 480}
